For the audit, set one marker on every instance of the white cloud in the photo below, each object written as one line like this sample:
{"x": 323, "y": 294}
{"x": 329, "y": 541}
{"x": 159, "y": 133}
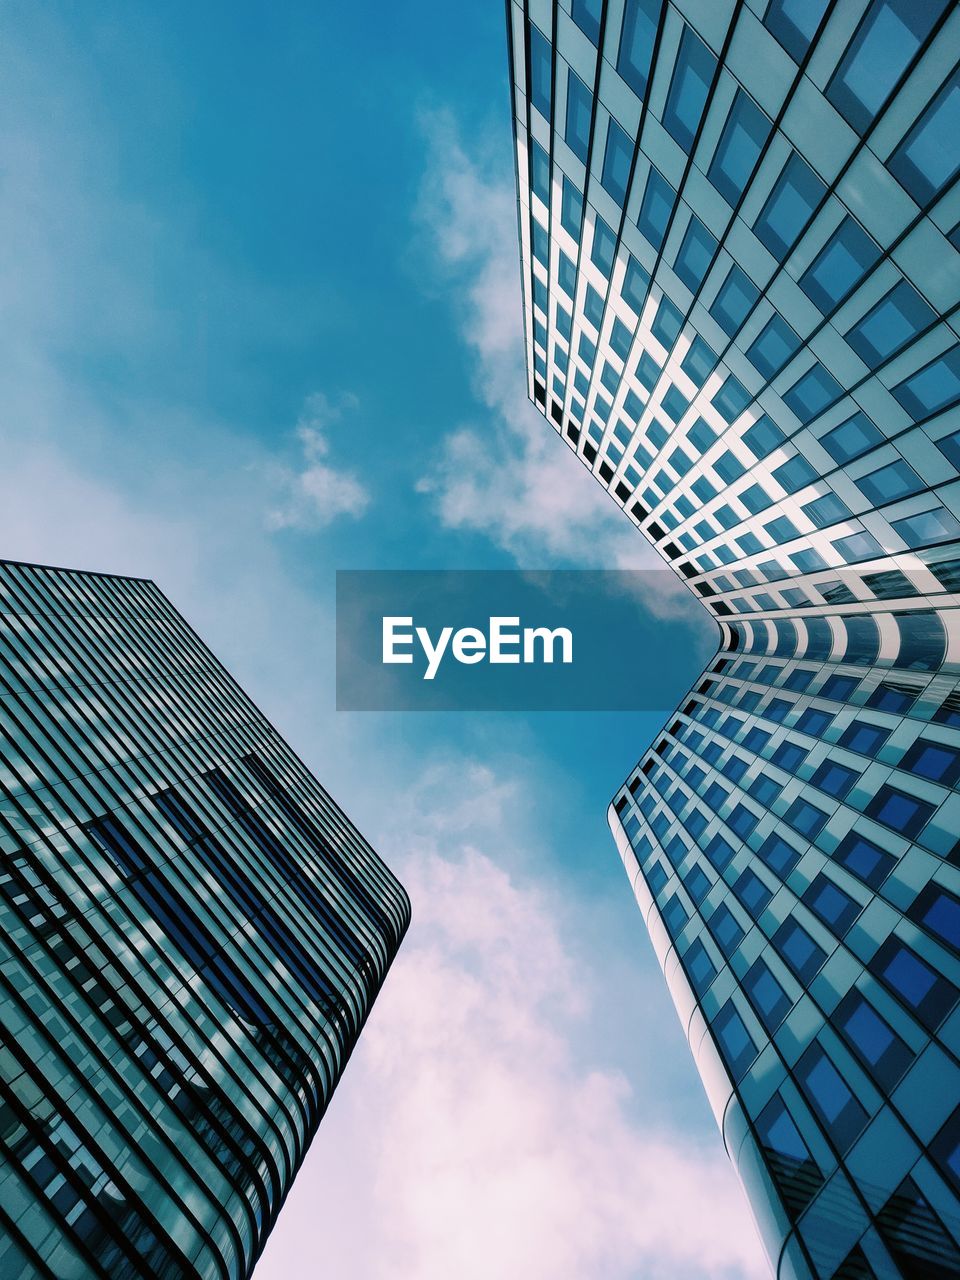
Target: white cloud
{"x": 473, "y": 1136}
{"x": 316, "y": 493}
{"x": 508, "y": 477}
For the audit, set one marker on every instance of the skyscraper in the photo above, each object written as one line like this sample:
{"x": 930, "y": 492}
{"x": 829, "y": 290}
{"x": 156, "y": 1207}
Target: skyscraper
{"x": 740, "y": 240}
{"x": 193, "y": 934}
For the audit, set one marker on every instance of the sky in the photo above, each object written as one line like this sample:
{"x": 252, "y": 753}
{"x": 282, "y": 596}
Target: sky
{"x": 260, "y": 306}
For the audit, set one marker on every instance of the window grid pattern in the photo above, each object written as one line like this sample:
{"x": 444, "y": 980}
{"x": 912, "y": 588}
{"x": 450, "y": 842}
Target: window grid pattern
{"x": 193, "y": 936}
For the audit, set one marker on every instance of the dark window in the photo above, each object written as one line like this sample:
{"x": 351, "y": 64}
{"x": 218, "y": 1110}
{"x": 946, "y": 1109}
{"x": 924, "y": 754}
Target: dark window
{"x": 752, "y": 892}
{"x": 763, "y": 437}
{"x": 907, "y": 815}
{"x": 667, "y": 323}
{"x": 655, "y": 209}
{"x": 733, "y": 1040}
{"x": 815, "y": 391}
{"x": 915, "y": 1236}
{"x": 636, "y": 281}
{"x": 765, "y": 993}
{"x": 934, "y": 388}
{"x": 834, "y": 907}
{"x": 839, "y": 266}
{"x": 879, "y": 53}
{"x": 698, "y": 364}
{"x": 933, "y": 760}
{"x": 586, "y": 14}
{"x": 795, "y": 946}
{"x": 806, "y": 818}
{"x": 700, "y": 968}
{"x": 835, "y": 779}
{"x": 939, "y": 913}
{"x": 725, "y": 929}
{"x": 887, "y": 327}
{"x": 696, "y": 254}
{"x": 864, "y": 859}
{"x": 579, "y": 115}
{"x": 929, "y": 156}
{"x": 736, "y": 299}
{"x": 852, "y": 438}
{"x": 830, "y": 1097}
{"x": 877, "y": 1046}
{"x": 738, "y": 150}
{"x": 945, "y": 1151}
{"x": 617, "y": 160}
{"x": 794, "y": 23}
{"x": 773, "y": 347}
{"x": 780, "y": 856}
{"x": 640, "y": 20}
{"x": 789, "y": 207}
{"x": 730, "y": 401}
{"x": 926, "y": 993}
{"x": 687, "y": 98}
{"x": 541, "y": 71}
{"x": 539, "y": 171}
{"x": 571, "y": 209}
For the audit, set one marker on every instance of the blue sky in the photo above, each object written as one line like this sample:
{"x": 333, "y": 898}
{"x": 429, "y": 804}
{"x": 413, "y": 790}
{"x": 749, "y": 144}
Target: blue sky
{"x": 260, "y": 304}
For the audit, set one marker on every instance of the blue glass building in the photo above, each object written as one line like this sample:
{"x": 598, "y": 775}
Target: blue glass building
{"x": 740, "y": 240}
{"x": 192, "y": 936}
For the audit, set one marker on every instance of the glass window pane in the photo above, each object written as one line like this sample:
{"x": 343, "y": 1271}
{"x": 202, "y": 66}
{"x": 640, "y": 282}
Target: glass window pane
{"x": 839, "y": 266}
{"x": 586, "y": 14}
{"x": 696, "y": 254}
{"x": 739, "y": 148}
{"x": 789, "y": 207}
{"x": 773, "y": 347}
{"x": 934, "y": 388}
{"x": 617, "y": 160}
{"x": 571, "y": 209}
{"x": 852, "y": 438}
{"x": 541, "y": 71}
{"x": 887, "y": 328}
{"x": 640, "y": 21}
{"x": 929, "y": 156}
{"x": 736, "y": 299}
{"x": 579, "y": 115}
{"x": 655, "y": 210}
{"x": 689, "y": 88}
{"x": 794, "y": 23}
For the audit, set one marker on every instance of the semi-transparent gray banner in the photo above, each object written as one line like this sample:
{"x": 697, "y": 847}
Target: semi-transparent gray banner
{"x": 511, "y": 640}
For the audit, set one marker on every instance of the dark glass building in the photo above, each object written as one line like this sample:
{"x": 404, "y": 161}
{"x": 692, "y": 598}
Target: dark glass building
{"x": 192, "y": 936}
{"x": 740, "y": 241}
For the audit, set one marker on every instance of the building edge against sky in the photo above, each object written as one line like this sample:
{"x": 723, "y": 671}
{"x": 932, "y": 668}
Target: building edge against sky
{"x": 193, "y": 936}
{"x": 740, "y": 241}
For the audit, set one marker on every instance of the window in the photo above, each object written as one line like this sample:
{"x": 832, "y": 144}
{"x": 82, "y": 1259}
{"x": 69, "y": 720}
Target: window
{"x": 928, "y": 995}
{"x": 923, "y": 640}
{"x": 897, "y": 480}
{"x": 541, "y": 71}
{"x": 636, "y": 281}
{"x": 794, "y": 23}
{"x": 752, "y": 892}
{"x": 863, "y": 737}
{"x": 945, "y": 1150}
{"x": 586, "y": 349}
{"x": 640, "y": 19}
{"x": 864, "y": 859}
{"x": 798, "y": 1178}
{"x": 852, "y": 438}
{"x": 667, "y": 323}
{"x": 766, "y": 995}
{"x": 541, "y": 246}
{"x": 877, "y": 1046}
{"x": 806, "y": 818}
{"x": 839, "y": 266}
{"x": 729, "y": 468}
{"x": 648, "y": 371}
{"x": 675, "y": 404}
{"x": 763, "y": 437}
{"x": 698, "y": 364}
{"x": 949, "y": 446}
{"x": 891, "y": 584}
{"x": 700, "y": 968}
{"x": 571, "y": 209}
{"x": 810, "y": 395}
{"x": 621, "y": 339}
{"x": 878, "y": 55}
{"x": 828, "y": 901}
{"x": 933, "y": 760}
{"x": 907, "y": 815}
{"x": 689, "y": 88}
{"x": 927, "y": 528}
{"x": 725, "y": 930}
{"x": 934, "y": 388}
{"x": 736, "y": 299}
{"x": 774, "y": 346}
{"x": 813, "y": 721}
{"x": 539, "y": 171}
{"x": 780, "y": 856}
{"x": 795, "y": 946}
{"x": 604, "y": 246}
{"x": 789, "y": 207}
{"x": 890, "y": 325}
{"x": 719, "y": 853}
{"x": 579, "y": 115}
{"x": 835, "y": 779}
{"x": 733, "y": 1040}
{"x": 697, "y": 884}
{"x": 586, "y": 14}
{"x": 929, "y": 156}
{"x": 738, "y": 150}
{"x": 731, "y": 400}
{"x": 939, "y": 913}
{"x": 593, "y": 308}
{"x": 675, "y": 915}
{"x": 830, "y": 1097}
{"x": 567, "y": 279}
{"x": 617, "y": 160}
{"x": 696, "y": 254}
{"x": 655, "y": 209}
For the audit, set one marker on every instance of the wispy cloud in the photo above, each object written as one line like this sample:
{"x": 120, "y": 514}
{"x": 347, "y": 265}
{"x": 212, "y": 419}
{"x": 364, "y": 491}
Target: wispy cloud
{"x": 472, "y": 1126}
{"x": 507, "y": 476}
{"x": 314, "y": 493}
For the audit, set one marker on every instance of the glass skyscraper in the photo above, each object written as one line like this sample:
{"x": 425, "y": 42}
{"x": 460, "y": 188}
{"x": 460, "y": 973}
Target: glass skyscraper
{"x": 740, "y": 239}
{"x": 192, "y": 936}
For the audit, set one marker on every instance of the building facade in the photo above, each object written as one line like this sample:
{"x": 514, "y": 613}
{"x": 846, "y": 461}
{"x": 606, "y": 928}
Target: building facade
{"x": 192, "y": 935}
{"x": 740, "y": 239}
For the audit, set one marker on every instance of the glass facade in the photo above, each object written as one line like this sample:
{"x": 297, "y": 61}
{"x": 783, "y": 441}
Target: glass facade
{"x": 192, "y": 933}
{"x": 766, "y": 379}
